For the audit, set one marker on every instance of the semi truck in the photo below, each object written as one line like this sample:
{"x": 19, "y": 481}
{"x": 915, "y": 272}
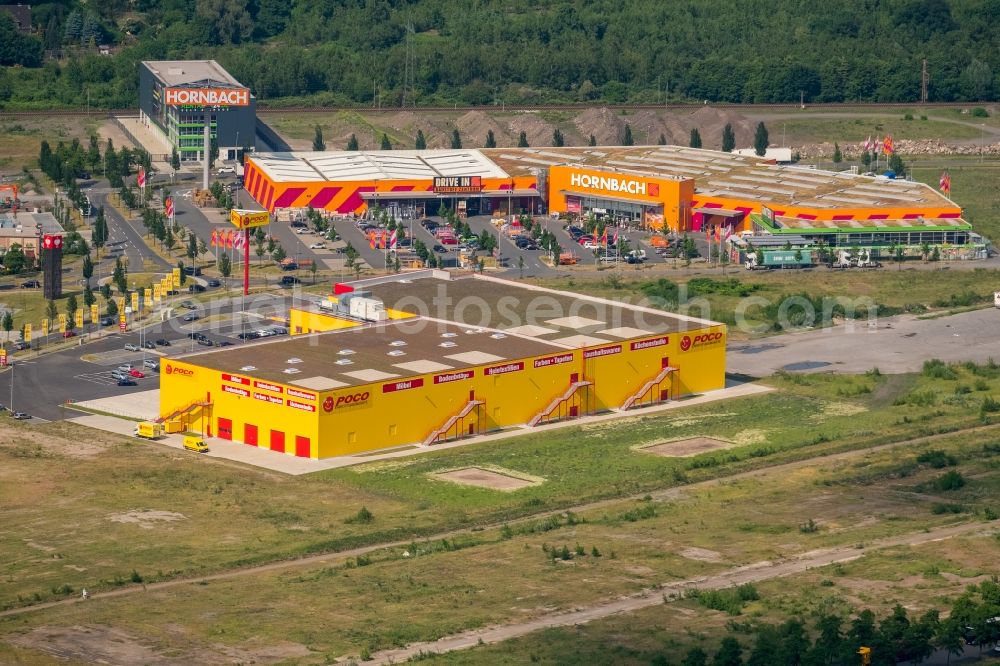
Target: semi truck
{"x": 149, "y": 430}
{"x": 778, "y": 259}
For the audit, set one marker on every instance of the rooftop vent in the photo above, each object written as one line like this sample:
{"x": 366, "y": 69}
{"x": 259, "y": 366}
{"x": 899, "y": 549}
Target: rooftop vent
{"x": 449, "y": 335}
{"x": 448, "y": 344}
{"x": 398, "y": 343}
{"x": 345, "y": 352}
{"x": 294, "y": 360}
{"x": 248, "y": 368}
{"x": 291, "y": 371}
{"x": 343, "y": 361}
{"x": 397, "y": 352}
{"x": 498, "y": 336}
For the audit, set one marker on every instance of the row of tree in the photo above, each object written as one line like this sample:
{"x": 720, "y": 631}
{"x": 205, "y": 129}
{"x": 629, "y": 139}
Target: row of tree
{"x": 835, "y": 639}
{"x": 68, "y": 162}
{"x": 436, "y": 52}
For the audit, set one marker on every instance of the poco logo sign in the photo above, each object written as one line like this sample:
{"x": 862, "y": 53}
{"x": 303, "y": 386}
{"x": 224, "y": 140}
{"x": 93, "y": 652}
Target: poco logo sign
{"x": 345, "y": 400}
{"x": 183, "y": 372}
{"x": 607, "y": 183}
{"x": 700, "y": 340}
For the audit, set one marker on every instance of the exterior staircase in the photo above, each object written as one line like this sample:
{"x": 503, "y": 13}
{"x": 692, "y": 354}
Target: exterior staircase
{"x": 554, "y": 405}
{"x": 190, "y": 407}
{"x": 450, "y": 423}
{"x": 660, "y": 376}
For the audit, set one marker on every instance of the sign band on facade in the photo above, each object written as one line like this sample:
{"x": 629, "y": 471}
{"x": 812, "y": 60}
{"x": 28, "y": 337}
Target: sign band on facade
{"x": 206, "y": 97}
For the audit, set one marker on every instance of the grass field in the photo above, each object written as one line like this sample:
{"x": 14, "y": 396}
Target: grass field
{"x": 20, "y": 140}
{"x": 893, "y": 290}
{"x": 430, "y": 589}
{"x": 844, "y": 130}
{"x": 974, "y": 189}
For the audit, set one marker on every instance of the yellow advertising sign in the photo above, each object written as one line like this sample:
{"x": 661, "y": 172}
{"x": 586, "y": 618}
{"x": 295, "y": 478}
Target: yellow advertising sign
{"x": 45, "y": 327}
{"x": 78, "y": 318}
{"x": 168, "y": 283}
{"x": 121, "y": 304}
{"x": 148, "y": 297}
{"x": 94, "y": 313}
{"x": 248, "y": 219}
{"x": 27, "y": 333}
{"x": 135, "y": 301}
{"x": 122, "y": 322}
{"x": 62, "y": 323}
{"x": 177, "y": 276}
{"x": 157, "y": 288}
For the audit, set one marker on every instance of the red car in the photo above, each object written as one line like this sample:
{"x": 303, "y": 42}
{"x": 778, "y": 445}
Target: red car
{"x": 584, "y": 238}
{"x": 138, "y": 374}
{"x": 68, "y": 334}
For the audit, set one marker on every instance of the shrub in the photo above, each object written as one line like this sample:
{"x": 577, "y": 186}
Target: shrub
{"x": 907, "y": 116}
{"x": 942, "y": 508}
{"x": 951, "y": 480}
{"x": 809, "y": 527}
{"x": 981, "y": 384}
{"x": 938, "y": 369}
{"x": 363, "y": 517}
{"x": 917, "y": 399}
{"x": 136, "y": 577}
{"x": 937, "y": 459}
{"x": 990, "y": 405}
{"x": 639, "y": 513}
{"x": 979, "y": 112}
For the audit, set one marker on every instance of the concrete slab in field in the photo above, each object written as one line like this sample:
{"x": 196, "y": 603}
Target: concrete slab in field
{"x": 691, "y": 446}
{"x": 484, "y": 478}
{"x": 142, "y": 405}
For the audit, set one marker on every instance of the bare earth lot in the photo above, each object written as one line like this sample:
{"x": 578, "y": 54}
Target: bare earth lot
{"x": 687, "y": 447}
{"x": 484, "y": 478}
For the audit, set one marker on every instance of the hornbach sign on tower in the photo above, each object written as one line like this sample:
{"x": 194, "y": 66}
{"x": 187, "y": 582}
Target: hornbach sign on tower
{"x": 206, "y": 97}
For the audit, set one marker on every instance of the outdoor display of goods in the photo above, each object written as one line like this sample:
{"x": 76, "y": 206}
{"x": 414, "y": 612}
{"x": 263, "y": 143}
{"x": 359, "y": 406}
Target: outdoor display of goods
{"x": 203, "y": 198}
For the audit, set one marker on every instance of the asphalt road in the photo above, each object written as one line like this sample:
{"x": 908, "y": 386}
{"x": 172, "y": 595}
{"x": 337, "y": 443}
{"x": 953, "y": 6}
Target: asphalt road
{"x": 45, "y": 381}
{"x": 124, "y": 238}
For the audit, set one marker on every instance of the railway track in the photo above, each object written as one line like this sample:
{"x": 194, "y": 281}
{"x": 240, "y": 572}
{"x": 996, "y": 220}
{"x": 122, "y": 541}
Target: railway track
{"x": 264, "y": 109}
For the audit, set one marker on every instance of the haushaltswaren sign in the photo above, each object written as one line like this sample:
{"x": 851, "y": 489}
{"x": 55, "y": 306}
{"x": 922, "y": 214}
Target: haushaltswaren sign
{"x": 206, "y": 97}
{"x": 458, "y": 184}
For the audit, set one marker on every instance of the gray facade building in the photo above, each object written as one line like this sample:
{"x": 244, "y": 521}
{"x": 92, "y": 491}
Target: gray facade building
{"x": 232, "y": 126}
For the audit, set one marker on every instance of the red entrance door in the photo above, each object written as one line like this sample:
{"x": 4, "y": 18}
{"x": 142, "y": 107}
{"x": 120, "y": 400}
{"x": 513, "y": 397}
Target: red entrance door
{"x": 277, "y": 441}
{"x": 301, "y": 446}
{"x": 226, "y": 428}
{"x": 250, "y": 434}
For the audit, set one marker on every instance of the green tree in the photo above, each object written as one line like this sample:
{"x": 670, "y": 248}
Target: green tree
{"x": 87, "y": 269}
{"x": 421, "y": 142}
{"x": 279, "y": 254}
{"x": 352, "y": 143}
{"x": 695, "y": 138}
{"x": 592, "y": 141}
{"x": 180, "y": 266}
{"x": 866, "y": 159}
{"x": 93, "y": 153}
{"x": 74, "y": 26}
{"x": 168, "y": 239}
{"x": 491, "y": 141}
{"x": 51, "y": 311}
{"x": 662, "y": 141}
{"x": 896, "y": 164}
{"x": 318, "y": 144}
{"x": 99, "y": 232}
{"x": 627, "y": 139}
{"x": 225, "y": 266}
{"x": 111, "y": 308}
{"x": 728, "y": 138}
{"x": 175, "y": 159}
{"x": 456, "y": 139}
{"x": 258, "y": 249}
{"x": 14, "y": 260}
{"x": 386, "y": 143}
{"x": 522, "y": 139}
{"x": 314, "y": 266}
{"x": 120, "y": 277}
{"x": 760, "y": 139}
{"x": 557, "y": 138}
{"x": 71, "y": 305}
{"x": 192, "y": 246}
{"x": 88, "y": 296}
{"x": 695, "y": 657}
{"x": 8, "y": 323}
{"x": 838, "y": 156}
{"x": 729, "y": 654}
{"x": 106, "y": 291}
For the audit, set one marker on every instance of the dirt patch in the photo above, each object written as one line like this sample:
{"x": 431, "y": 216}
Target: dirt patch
{"x": 484, "y": 478}
{"x": 691, "y": 446}
{"x": 603, "y": 123}
{"x": 91, "y": 645}
{"x": 538, "y": 131}
{"x": 710, "y": 121}
{"x": 700, "y": 554}
{"x": 147, "y": 519}
{"x": 475, "y": 125}
{"x": 46, "y": 442}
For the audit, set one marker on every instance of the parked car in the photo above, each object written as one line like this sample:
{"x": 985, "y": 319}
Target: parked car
{"x": 21, "y": 345}
{"x": 163, "y": 342}
{"x": 127, "y": 382}
{"x": 152, "y": 364}
{"x": 68, "y": 334}
{"x": 31, "y": 284}
{"x": 287, "y": 280}
{"x": 223, "y": 343}
{"x": 190, "y": 317}
{"x": 118, "y": 374}
{"x": 439, "y": 248}
{"x": 148, "y": 345}
{"x": 303, "y": 230}
{"x": 246, "y": 336}
{"x": 196, "y": 288}
{"x": 125, "y": 367}
{"x": 212, "y": 282}
{"x": 192, "y": 270}
{"x": 317, "y": 246}
{"x": 205, "y": 342}
{"x": 132, "y": 347}
{"x": 137, "y": 373}
{"x": 298, "y": 224}
{"x": 226, "y": 169}
{"x": 107, "y": 321}
{"x": 21, "y": 416}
